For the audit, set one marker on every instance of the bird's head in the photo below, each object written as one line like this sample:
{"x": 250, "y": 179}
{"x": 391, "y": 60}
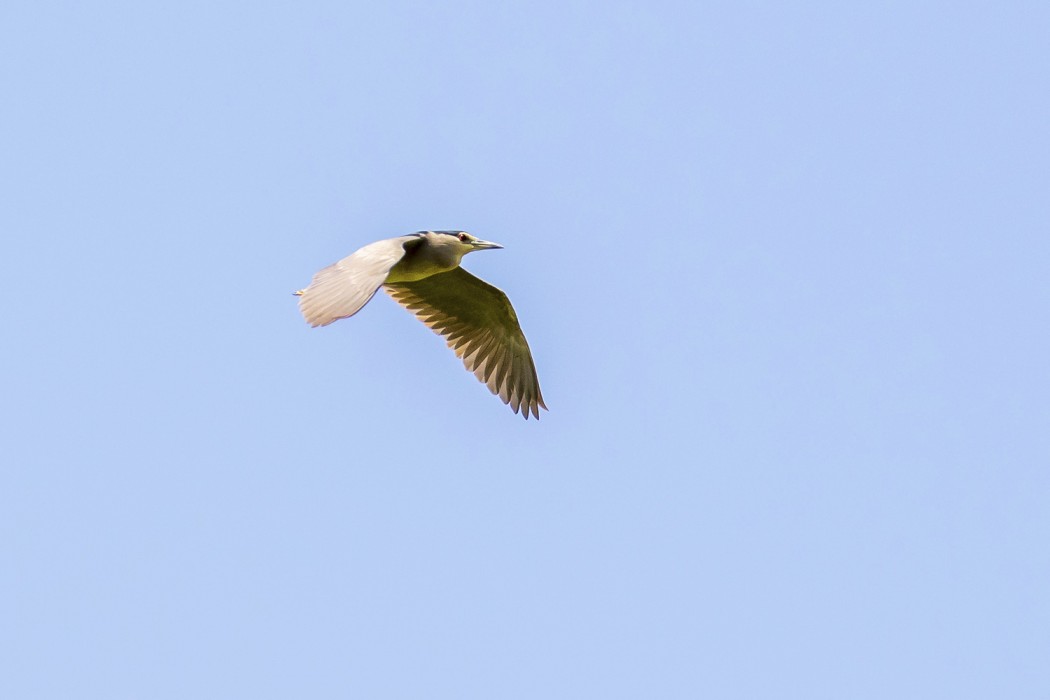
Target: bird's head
{"x": 461, "y": 241}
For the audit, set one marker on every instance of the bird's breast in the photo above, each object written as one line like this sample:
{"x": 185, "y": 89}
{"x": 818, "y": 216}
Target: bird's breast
{"x": 413, "y": 268}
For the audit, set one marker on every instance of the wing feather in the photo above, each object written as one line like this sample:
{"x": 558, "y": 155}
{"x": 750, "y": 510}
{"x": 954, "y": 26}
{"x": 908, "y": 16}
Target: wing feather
{"x": 342, "y": 289}
{"x": 480, "y": 326}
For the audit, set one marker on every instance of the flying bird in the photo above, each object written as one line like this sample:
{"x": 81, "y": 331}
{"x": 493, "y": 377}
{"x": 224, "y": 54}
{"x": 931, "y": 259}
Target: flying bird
{"x": 421, "y": 272}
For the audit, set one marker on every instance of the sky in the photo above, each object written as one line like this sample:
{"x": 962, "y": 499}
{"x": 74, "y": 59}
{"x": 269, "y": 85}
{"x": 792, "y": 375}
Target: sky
{"x": 784, "y": 272}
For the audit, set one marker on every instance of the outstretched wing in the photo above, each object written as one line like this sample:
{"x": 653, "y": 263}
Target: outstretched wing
{"x": 342, "y": 289}
{"x": 482, "y": 329}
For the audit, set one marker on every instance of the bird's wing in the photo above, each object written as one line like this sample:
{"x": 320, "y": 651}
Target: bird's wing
{"x": 482, "y": 329}
{"x": 340, "y": 290}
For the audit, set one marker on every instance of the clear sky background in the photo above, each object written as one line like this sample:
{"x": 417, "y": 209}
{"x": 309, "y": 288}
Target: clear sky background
{"x": 783, "y": 266}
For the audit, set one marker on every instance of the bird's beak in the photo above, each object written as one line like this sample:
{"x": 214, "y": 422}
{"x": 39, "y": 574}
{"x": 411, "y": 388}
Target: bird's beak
{"x": 485, "y": 245}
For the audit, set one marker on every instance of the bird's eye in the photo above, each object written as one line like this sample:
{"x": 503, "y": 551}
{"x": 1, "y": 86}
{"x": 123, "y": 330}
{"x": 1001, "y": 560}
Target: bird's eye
{"x": 464, "y": 237}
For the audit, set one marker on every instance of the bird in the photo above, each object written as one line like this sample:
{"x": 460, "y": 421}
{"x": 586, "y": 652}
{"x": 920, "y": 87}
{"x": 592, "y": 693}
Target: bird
{"x": 421, "y": 272}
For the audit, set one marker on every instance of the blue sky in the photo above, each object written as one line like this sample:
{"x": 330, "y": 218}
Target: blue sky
{"x": 783, "y": 267}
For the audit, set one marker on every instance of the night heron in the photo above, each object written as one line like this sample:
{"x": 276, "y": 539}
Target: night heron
{"x": 421, "y": 272}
